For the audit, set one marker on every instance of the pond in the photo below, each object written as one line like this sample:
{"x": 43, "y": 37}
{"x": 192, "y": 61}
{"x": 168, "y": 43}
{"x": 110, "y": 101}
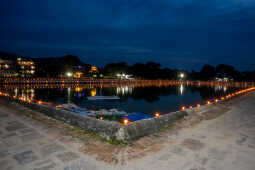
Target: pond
{"x": 147, "y": 100}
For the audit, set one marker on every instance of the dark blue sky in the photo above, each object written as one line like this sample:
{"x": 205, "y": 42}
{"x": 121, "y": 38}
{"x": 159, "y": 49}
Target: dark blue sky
{"x": 175, "y": 33}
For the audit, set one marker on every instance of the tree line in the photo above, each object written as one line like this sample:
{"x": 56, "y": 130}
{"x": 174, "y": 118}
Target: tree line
{"x": 153, "y": 70}
{"x": 55, "y": 66}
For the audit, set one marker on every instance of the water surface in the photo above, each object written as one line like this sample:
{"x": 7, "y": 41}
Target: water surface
{"x": 146, "y": 100}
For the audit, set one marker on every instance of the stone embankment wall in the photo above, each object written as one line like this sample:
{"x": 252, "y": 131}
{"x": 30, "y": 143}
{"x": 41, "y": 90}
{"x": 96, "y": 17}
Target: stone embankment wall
{"x": 108, "y": 129}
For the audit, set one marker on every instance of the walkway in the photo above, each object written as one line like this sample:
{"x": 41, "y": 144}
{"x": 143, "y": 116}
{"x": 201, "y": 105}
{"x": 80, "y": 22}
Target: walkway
{"x": 220, "y": 139}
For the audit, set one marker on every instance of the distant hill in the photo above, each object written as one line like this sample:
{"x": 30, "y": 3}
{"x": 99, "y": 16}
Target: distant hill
{"x": 8, "y": 56}
{"x": 68, "y": 59}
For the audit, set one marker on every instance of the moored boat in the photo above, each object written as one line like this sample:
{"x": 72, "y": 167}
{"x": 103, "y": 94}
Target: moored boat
{"x": 103, "y": 98}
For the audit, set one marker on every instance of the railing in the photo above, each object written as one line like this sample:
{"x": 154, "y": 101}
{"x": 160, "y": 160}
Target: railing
{"x": 113, "y": 82}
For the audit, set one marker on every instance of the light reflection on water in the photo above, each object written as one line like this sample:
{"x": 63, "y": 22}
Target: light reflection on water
{"x": 149, "y": 99}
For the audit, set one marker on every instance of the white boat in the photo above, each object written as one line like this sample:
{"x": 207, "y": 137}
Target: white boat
{"x": 103, "y": 98}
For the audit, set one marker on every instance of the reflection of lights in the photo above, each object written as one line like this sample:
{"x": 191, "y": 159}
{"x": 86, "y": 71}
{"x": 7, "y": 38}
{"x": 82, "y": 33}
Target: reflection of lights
{"x": 198, "y": 105}
{"x": 218, "y": 88}
{"x": 32, "y": 94}
{"x": 79, "y": 95}
{"x": 16, "y": 92}
{"x": 190, "y": 107}
{"x": 225, "y": 88}
{"x": 93, "y": 92}
{"x": 68, "y": 94}
{"x": 78, "y": 89}
{"x": 124, "y": 90}
{"x": 181, "y": 88}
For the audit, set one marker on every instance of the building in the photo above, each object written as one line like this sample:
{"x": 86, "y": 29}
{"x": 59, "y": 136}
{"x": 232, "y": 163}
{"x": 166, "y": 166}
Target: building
{"x": 26, "y": 68}
{"x": 93, "y": 69}
{"x": 223, "y": 78}
{"x": 6, "y": 68}
{"x": 124, "y": 76}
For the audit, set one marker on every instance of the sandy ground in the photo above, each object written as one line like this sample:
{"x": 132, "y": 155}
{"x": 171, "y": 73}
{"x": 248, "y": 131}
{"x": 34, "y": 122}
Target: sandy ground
{"x": 221, "y": 138}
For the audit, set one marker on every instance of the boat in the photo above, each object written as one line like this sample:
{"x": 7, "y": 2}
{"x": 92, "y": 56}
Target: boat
{"x": 103, "y": 98}
{"x": 69, "y": 106}
{"x": 110, "y": 112}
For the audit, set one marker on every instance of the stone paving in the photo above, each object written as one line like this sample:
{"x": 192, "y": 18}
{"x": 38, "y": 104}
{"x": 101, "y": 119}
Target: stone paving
{"x": 222, "y": 138}
{"x": 26, "y": 144}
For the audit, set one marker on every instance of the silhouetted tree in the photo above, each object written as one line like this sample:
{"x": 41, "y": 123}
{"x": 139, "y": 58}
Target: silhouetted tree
{"x": 228, "y": 71}
{"x": 207, "y": 72}
{"x": 114, "y": 68}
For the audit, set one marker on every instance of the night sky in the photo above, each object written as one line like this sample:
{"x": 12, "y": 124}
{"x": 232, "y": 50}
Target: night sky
{"x": 175, "y": 33}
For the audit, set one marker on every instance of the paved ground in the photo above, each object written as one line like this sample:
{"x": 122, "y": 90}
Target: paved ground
{"x": 222, "y": 138}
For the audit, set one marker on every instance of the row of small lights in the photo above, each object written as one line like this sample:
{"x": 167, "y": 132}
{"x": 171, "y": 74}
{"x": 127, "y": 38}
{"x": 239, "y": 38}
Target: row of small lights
{"x": 222, "y": 98}
{"x": 126, "y": 121}
{"x": 183, "y": 108}
{"x": 24, "y": 99}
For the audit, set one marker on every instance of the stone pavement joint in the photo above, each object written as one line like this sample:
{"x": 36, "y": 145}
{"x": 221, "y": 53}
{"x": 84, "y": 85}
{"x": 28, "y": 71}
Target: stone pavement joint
{"x": 25, "y": 157}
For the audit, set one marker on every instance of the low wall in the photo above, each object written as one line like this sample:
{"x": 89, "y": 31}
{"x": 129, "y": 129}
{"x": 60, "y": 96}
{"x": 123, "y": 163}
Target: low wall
{"x": 104, "y": 128}
{"x": 148, "y": 126}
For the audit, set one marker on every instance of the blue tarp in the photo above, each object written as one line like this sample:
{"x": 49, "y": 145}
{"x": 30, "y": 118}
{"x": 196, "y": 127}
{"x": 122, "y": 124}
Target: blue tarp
{"x": 136, "y": 116}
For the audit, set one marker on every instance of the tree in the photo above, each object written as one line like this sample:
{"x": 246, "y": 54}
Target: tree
{"x": 114, "y": 68}
{"x": 208, "y": 72}
{"x": 228, "y": 71}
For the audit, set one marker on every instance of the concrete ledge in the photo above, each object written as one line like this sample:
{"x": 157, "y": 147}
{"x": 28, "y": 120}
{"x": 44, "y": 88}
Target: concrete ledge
{"x": 148, "y": 126}
{"x": 104, "y": 128}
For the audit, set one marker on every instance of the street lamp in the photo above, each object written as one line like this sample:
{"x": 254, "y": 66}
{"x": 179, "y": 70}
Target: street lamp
{"x": 182, "y": 75}
{"x": 69, "y": 74}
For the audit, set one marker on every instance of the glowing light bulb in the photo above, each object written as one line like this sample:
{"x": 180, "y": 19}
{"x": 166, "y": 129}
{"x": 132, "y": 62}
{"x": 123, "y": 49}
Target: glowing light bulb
{"x": 157, "y": 114}
{"x": 125, "y": 121}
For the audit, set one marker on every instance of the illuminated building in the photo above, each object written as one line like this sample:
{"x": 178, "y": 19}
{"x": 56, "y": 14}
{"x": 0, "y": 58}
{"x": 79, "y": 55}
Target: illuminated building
{"x": 6, "y": 68}
{"x": 94, "y": 72}
{"x": 26, "y": 68}
{"x": 223, "y": 78}
{"x": 124, "y": 76}
{"x": 78, "y": 74}
{"x": 74, "y": 72}
{"x": 93, "y": 69}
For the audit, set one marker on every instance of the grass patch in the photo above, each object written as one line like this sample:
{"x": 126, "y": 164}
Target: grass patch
{"x": 81, "y": 132}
